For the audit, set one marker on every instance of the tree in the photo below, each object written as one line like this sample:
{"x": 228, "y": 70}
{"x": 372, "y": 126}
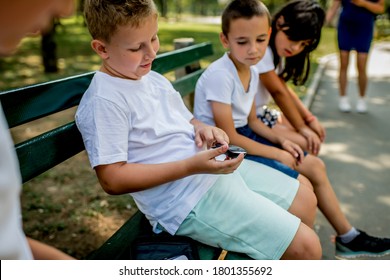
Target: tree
{"x": 49, "y": 49}
{"x": 163, "y": 6}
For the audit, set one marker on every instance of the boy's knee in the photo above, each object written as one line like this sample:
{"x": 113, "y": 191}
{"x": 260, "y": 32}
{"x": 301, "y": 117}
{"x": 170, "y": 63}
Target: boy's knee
{"x": 304, "y": 205}
{"x": 311, "y": 248}
{"x": 305, "y": 245}
{"x": 308, "y": 196}
{"x": 304, "y": 182}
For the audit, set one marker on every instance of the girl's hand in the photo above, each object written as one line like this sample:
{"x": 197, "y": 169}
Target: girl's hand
{"x": 313, "y": 140}
{"x": 294, "y": 150}
{"x": 316, "y": 126}
{"x": 359, "y": 3}
{"x": 205, "y": 162}
{"x": 287, "y": 159}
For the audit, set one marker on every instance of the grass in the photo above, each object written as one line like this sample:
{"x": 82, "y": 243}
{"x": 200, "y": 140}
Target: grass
{"x": 66, "y": 207}
{"x": 75, "y": 55}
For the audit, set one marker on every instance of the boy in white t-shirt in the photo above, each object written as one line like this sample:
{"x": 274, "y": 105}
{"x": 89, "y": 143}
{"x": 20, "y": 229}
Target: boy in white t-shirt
{"x": 142, "y": 140}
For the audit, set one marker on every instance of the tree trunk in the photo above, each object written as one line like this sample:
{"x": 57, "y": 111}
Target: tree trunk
{"x": 49, "y": 50}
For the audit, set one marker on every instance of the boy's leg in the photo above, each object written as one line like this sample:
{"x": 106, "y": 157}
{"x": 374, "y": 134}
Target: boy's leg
{"x": 304, "y": 204}
{"x": 305, "y": 245}
{"x": 235, "y": 218}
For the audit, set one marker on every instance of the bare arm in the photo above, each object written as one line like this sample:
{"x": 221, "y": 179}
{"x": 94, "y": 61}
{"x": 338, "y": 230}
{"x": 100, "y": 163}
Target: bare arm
{"x": 261, "y": 129}
{"x": 282, "y": 98}
{"x": 332, "y": 11}
{"x": 223, "y": 119}
{"x": 309, "y": 119}
{"x": 288, "y": 105}
{"x": 373, "y": 7}
{"x": 42, "y": 251}
{"x": 122, "y": 177}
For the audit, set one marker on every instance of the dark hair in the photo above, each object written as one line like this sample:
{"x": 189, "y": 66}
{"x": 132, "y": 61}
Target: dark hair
{"x": 243, "y": 9}
{"x": 303, "y": 20}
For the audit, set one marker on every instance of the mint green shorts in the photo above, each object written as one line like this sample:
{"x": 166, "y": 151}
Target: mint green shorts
{"x": 246, "y": 212}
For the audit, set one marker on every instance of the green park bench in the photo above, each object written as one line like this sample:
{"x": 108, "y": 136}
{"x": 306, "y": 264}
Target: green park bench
{"x": 41, "y": 153}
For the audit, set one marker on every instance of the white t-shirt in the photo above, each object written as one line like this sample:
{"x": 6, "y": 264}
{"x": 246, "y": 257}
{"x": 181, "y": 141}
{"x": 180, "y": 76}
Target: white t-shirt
{"x": 220, "y": 83}
{"x": 266, "y": 64}
{"x": 143, "y": 121}
{"x": 13, "y": 243}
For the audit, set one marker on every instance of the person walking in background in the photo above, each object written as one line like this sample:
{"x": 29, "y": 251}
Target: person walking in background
{"x": 354, "y": 32}
{"x": 17, "y": 19}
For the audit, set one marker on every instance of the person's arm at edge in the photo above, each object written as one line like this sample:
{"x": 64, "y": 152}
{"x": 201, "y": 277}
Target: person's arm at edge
{"x": 374, "y": 7}
{"x": 331, "y": 12}
{"x": 43, "y": 251}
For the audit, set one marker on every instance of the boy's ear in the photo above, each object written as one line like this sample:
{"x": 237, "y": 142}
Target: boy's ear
{"x": 100, "y": 48}
{"x": 224, "y": 40}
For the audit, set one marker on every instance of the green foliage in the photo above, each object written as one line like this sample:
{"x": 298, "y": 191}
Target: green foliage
{"x": 76, "y": 56}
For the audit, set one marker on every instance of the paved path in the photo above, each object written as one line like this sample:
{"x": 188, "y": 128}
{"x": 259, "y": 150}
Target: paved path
{"x": 357, "y": 147}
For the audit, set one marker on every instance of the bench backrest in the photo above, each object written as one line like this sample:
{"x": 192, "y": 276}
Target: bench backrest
{"x": 23, "y": 105}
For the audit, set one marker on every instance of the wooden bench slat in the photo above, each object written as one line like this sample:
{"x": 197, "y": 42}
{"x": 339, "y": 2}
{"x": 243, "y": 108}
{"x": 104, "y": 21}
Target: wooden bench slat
{"x": 33, "y": 102}
{"x": 186, "y": 84}
{"x": 169, "y": 61}
{"x": 118, "y": 246}
{"x": 45, "y": 151}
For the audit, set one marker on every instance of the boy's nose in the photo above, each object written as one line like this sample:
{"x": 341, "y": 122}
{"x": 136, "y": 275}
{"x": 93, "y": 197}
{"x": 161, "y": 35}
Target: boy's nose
{"x": 150, "y": 53}
{"x": 253, "y": 48}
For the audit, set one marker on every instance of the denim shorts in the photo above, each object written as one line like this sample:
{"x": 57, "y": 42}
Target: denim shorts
{"x": 246, "y": 131}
